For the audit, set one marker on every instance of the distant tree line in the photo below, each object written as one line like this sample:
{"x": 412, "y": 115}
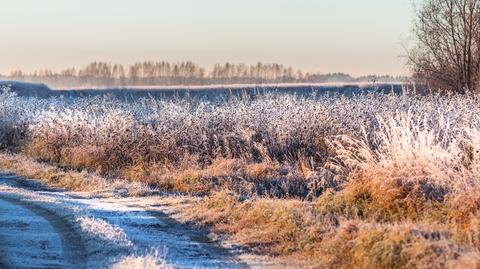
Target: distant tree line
{"x": 103, "y": 74}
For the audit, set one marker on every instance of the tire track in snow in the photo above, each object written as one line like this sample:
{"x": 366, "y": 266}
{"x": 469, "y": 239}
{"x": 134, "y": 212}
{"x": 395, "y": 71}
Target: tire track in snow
{"x": 73, "y": 254}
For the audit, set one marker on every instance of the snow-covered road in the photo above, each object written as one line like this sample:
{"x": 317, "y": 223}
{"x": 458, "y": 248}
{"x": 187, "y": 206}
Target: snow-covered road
{"x": 47, "y": 228}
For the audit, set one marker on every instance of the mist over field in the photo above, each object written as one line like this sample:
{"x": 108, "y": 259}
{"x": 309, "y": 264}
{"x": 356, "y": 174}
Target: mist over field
{"x": 182, "y": 74}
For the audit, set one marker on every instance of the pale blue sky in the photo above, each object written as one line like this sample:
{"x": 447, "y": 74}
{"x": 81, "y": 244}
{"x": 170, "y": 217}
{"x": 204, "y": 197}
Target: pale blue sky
{"x": 354, "y": 36}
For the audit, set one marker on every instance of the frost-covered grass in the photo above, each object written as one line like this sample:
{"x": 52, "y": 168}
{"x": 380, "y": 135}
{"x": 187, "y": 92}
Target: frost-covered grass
{"x": 104, "y": 230}
{"x": 151, "y": 261}
{"x": 380, "y": 177}
{"x": 276, "y": 145}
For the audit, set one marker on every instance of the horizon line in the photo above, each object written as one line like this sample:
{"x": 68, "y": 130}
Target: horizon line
{"x": 58, "y": 71}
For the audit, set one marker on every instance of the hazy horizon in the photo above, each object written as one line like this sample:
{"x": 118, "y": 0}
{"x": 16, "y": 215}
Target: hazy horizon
{"x": 358, "y": 38}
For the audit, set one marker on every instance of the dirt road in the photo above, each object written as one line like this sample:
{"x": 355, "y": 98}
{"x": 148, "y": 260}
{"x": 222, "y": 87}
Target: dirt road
{"x": 47, "y": 228}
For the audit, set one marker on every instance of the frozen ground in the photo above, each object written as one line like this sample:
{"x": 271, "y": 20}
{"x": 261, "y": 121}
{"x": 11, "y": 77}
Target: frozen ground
{"x": 46, "y": 228}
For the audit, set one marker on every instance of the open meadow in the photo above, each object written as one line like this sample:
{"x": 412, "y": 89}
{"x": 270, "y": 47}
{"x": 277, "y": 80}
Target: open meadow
{"x": 372, "y": 180}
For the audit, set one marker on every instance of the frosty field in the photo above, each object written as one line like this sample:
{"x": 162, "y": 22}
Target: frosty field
{"x": 371, "y": 180}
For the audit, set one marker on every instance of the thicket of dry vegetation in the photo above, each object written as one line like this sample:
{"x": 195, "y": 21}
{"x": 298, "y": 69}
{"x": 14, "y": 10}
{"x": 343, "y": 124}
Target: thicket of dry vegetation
{"x": 373, "y": 181}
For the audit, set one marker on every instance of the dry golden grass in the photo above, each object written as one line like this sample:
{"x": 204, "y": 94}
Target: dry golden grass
{"x": 65, "y": 178}
{"x": 332, "y": 240}
{"x": 273, "y": 226}
{"x": 49, "y": 174}
{"x": 237, "y": 175}
{"x": 359, "y": 244}
{"x": 318, "y": 232}
{"x": 381, "y": 200}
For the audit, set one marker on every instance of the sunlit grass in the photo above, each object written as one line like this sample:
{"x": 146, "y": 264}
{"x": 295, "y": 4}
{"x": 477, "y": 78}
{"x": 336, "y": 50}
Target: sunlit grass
{"x": 381, "y": 181}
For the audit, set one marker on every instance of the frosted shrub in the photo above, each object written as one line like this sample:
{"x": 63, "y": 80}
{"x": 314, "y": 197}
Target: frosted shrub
{"x": 438, "y": 145}
{"x": 294, "y": 138}
{"x": 15, "y": 114}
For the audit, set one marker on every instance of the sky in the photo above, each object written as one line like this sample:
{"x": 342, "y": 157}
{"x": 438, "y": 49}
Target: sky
{"x": 351, "y": 36}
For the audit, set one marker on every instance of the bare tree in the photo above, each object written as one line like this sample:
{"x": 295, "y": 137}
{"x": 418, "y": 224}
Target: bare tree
{"x": 447, "y": 54}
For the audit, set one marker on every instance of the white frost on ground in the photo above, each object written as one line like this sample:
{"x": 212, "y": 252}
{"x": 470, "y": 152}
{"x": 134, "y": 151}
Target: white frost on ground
{"x": 21, "y": 230}
{"x": 111, "y": 232}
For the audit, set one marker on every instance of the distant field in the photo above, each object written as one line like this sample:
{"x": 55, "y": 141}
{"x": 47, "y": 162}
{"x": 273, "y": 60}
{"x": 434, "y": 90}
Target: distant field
{"x": 211, "y": 93}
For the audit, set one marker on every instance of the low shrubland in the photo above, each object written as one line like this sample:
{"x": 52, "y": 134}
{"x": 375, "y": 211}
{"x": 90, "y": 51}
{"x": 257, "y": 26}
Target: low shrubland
{"x": 377, "y": 181}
